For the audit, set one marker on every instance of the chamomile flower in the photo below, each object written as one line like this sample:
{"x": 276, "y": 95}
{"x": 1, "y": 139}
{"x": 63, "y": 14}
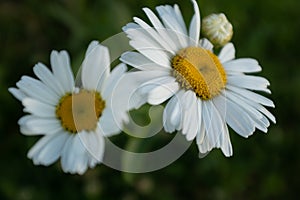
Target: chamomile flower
{"x": 73, "y": 119}
{"x": 204, "y": 92}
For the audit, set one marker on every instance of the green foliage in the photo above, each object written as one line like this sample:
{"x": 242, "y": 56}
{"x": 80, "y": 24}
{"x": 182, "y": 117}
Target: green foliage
{"x": 265, "y": 166}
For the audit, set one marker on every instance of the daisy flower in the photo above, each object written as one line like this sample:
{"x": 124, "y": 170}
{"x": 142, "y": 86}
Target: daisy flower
{"x": 73, "y": 119}
{"x": 204, "y": 92}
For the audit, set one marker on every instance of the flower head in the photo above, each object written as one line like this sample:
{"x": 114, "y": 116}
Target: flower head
{"x": 217, "y": 29}
{"x": 205, "y": 92}
{"x": 73, "y": 119}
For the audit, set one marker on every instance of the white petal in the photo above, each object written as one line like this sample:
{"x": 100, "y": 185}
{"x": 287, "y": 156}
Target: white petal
{"x": 155, "y": 82}
{"x": 17, "y": 93}
{"x": 236, "y": 118}
{"x": 74, "y": 157}
{"x": 38, "y": 108}
{"x": 263, "y": 124}
{"x": 201, "y": 125}
{"x": 140, "y": 62}
{"x": 249, "y": 82}
{"x": 195, "y": 25}
{"x": 109, "y": 124}
{"x": 147, "y": 34}
{"x": 39, "y": 126}
{"x": 213, "y": 124}
{"x": 200, "y": 134}
{"x": 190, "y": 124}
{"x": 241, "y": 102}
{"x": 170, "y": 110}
{"x": 182, "y": 40}
{"x": 161, "y": 29}
{"x": 144, "y": 37}
{"x": 45, "y": 75}
{"x": 130, "y": 26}
{"x": 206, "y": 44}
{"x": 95, "y": 68}
{"x": 173, "y": 113}
{"x": 60, "y": 63}
{"x": 253, "y": 114}
{"x": 262, "y": 109}
{"x": 245, "y": 65}
{"x": 37, "y": 90}
{"x": 175, "y": 29}
{"x": 220, "y": 104}
{"x": 94, "y": 144}
{"x": 257, "y": 118}
{"x": 205, "y": 147}
{"x": 112, "y": 80}
{"x": 159, "y": 56}
{"x": 251, "y": 96}
{"x": 65, "y": 153}
{"x": 178, "y": 120}
{"x": 68, "y": 74}
{"x": 163, "y": 92}
{"x": 153, "y": 35}
{"x": 44, "y": 126}
{"x": 179, "y": 18}
{"x": 147, "y": 86}
{"x": 125, "y": 94}
{"x": 267, "y": 113}
{"x": 23, "y": 127}
{"x": 91, "y": 46}
{"x": 48, "y": 149}
{"x": 186, "y": 100}
{"x": 226, "y": 143}
{"x": 227, "y": 53}
{"x": 170, "y": 19}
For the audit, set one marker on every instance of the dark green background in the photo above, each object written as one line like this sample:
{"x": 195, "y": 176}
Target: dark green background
{"x": 265, "y": 166}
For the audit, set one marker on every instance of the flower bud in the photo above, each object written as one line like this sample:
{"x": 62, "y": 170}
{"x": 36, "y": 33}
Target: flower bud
{"x": 217, "y": 29}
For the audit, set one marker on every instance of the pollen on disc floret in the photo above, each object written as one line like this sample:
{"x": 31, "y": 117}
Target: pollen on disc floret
{"x": 80, "y": 111}
{"x": 200, "y": 70}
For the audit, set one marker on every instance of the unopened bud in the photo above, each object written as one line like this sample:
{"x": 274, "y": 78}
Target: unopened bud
{"x": 217, "y": 29}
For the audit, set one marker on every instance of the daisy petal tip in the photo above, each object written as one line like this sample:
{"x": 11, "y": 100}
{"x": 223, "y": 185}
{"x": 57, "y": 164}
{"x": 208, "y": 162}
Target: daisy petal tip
{"x": 12, "y": 90}
{"x": 124, "y": 28}
{"x": 91, "y": 46}
{"x": 53, "y": 54}
{"x": 30, "y": 155}
{"x": 64, "y": 53}
{"x": 228, "y": 154}
{"x": 203, "y": 154}
{"x": 195, "y": 3}
{"x": 123, "y": 67}
{"x": 101, "y": 49}
{"x": 146, "y": 9}
{"x": 35, "y": 162}
{"x": 36, "y": 66}
{"x": 94, "y": 43}
{"x": 189, "y": 137}
{"x": 25, "y": 102}
{"x": 265, "y": 130}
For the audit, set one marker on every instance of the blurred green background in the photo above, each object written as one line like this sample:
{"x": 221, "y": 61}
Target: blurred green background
{"x": 265, "y": 166}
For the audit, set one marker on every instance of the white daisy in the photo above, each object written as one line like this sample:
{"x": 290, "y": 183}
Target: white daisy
{"x": 74, "y": 119}
{"x": 204, "y": 92}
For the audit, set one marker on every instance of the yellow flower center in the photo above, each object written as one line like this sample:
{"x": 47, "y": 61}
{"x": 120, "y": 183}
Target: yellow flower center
{"x": 80, "y": 111}
{"x": 200, "y": 70}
